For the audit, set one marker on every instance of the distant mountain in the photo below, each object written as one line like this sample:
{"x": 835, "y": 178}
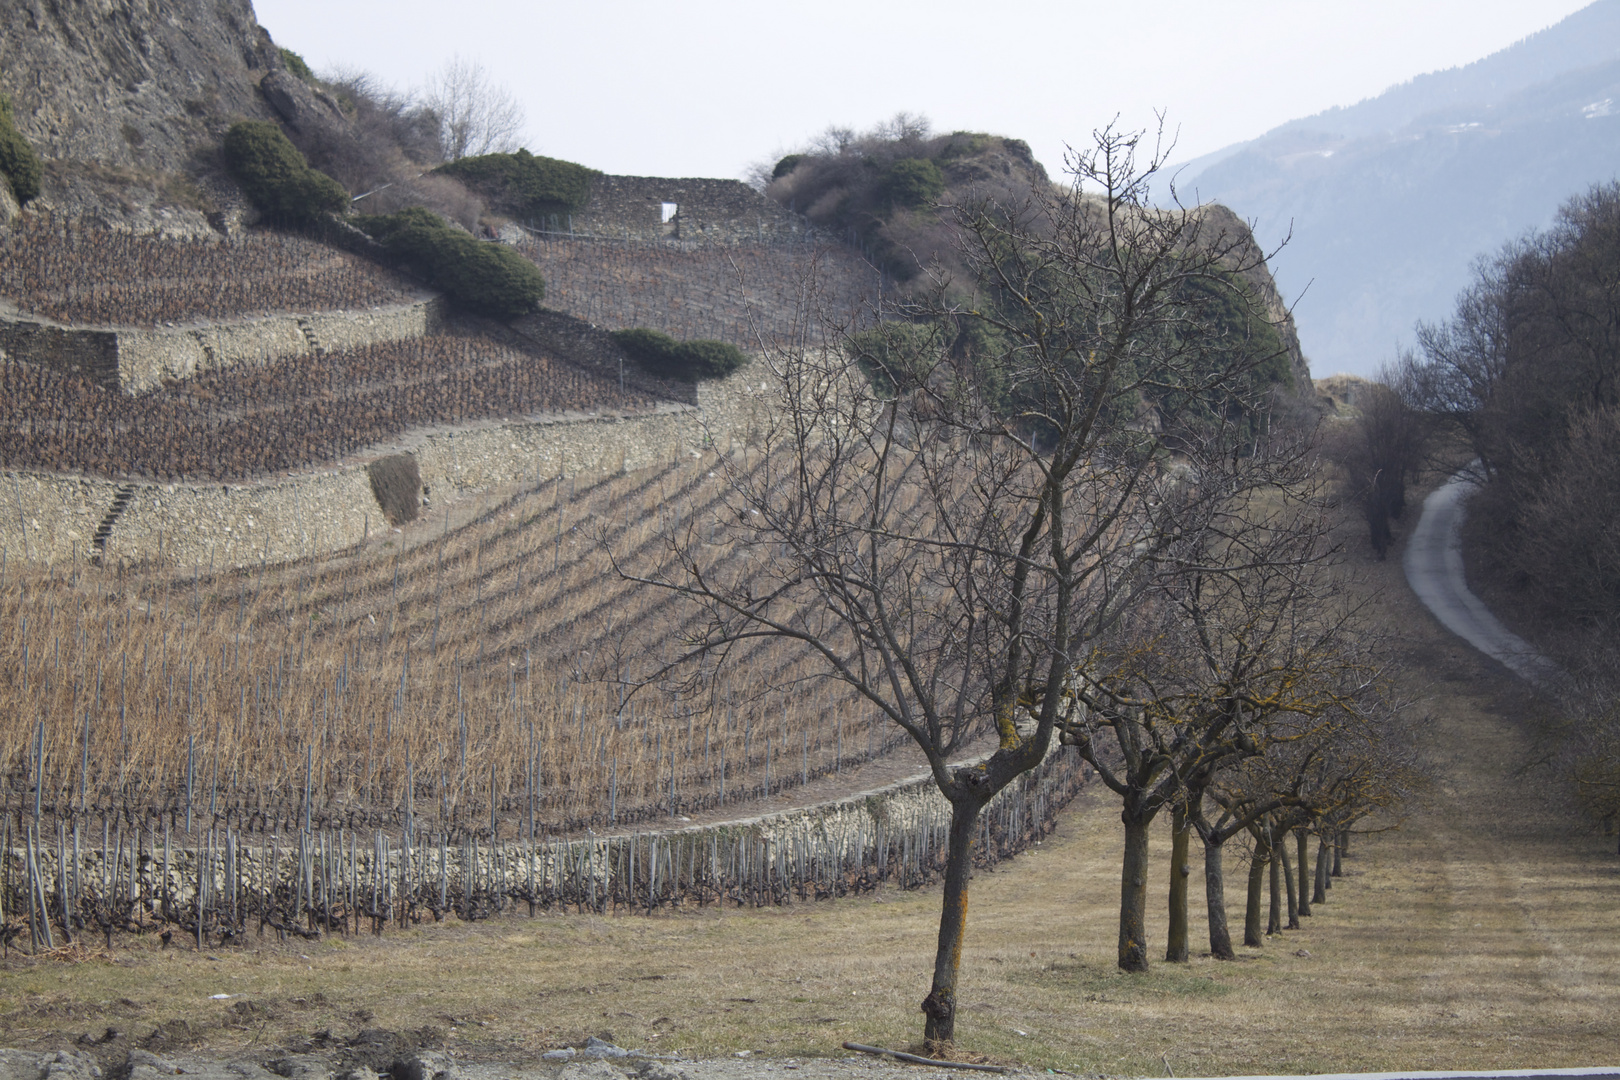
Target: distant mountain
{"x": 1392, "y": 199}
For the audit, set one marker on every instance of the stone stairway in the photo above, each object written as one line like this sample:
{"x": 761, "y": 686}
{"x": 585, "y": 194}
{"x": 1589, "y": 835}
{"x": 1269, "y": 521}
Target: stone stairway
{"x": 308, "y": 330}
{"x": 120, "y": 503}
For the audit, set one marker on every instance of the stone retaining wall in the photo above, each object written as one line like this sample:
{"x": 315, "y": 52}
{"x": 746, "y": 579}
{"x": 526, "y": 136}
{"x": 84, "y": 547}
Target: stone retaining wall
{"x": 714, "y": 211}
{"x": 138, "y": 360}
{"x": 93, "y": 353}
{"x": 52, "y": 518}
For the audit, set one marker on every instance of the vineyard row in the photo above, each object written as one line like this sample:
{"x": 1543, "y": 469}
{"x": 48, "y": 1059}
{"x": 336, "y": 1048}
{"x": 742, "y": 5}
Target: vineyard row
{"x": 221, "y": 890}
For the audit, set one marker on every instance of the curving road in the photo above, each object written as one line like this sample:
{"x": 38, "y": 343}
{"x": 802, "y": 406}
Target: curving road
{"x": 1434, "y": 569}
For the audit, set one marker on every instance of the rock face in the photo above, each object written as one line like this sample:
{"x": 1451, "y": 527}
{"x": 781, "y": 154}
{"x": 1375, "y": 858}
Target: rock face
{"x": 126, "y": 94}
{"x": 305, "y": 110}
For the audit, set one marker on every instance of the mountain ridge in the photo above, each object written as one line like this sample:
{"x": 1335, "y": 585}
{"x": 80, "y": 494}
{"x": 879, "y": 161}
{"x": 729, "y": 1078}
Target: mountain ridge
{"x": 1387, "y": 220}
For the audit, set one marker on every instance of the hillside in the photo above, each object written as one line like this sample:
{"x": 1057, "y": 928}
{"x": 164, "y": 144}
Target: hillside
{"x": 1391, "y": 199}
{"x": 127, "y": 103}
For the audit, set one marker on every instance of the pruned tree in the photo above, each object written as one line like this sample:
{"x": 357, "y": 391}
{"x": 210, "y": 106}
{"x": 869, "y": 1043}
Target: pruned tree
{"x": 476, "y": 114}
{"x": 952, "y": 535}
{"x": 1242, "y": 642}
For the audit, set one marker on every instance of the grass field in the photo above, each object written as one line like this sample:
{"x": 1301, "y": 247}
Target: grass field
{"x": 1484, "y": 932}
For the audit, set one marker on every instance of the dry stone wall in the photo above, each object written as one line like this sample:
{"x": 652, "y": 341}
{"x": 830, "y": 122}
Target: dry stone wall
{"x": 93, "y": 353}
{"x": 708, "y": 210}
{"x": 139, "y": 360}
{"x": 54, "y": 519}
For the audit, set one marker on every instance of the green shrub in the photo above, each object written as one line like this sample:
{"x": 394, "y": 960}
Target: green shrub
{"x": 523, "y": 184}
{"x": 662, "y": 355}
{"x": 275, "y": 175}
{"x": 296, "y": 65}
{"x": 912, "y": 182}
{"x": 18, "y": 162}
{"x": 787, "y": 165}
{"x": 487, "y": 278}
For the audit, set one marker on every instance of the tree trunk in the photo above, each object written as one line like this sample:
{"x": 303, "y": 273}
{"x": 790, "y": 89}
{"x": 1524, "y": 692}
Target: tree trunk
{"x": 1274, "y": 914}
{"x": 1288, "y": 879}
{"x": 1338, "y": 853}
{"x": 1319, "y": 894}
{"x": 1180, "y": 833}
{"x": 1257, "y": 892}
{"x": 1220, "y": 938}
{"x": 940, "y": 1005}
{"x": 1133, "y": 896}
{"x": 1303, "y": 846}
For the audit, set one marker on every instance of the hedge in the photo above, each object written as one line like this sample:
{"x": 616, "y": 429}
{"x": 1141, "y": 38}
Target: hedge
{"x": 18, "y": 162}
{"x": 275, "y": 175}
{"x": 484, "y": 277}
{"x": 523, "y": 184}
{"x": 662, "y": 355}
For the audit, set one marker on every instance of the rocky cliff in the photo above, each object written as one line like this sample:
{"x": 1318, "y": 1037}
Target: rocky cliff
{"x": 127, "y": 101}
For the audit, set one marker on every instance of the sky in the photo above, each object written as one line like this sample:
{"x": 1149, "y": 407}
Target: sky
{"x": 710, "y": 87}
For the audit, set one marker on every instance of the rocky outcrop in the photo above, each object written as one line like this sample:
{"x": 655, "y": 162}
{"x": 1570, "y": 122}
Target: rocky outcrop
{"x": 1221, "y": 226}
{"x": 304, "y": 109}
{"x": 127, "y": 101}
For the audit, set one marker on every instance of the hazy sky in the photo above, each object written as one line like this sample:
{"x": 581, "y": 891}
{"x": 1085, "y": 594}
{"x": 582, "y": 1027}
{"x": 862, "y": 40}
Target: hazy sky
{"x": 706, "y": 87}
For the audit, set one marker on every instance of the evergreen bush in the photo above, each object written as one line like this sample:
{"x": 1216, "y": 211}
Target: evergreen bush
{"x": 524, "y": 184}
{"x": 487, "y": 278}
{"x": 18, "y": 162}
{"x": 275, "y": 175}
{"x": 912, "y": 183}
{"x": 787, "y": 165}
{"x": 296, "y": 65}
{"x": 664, "y": 356}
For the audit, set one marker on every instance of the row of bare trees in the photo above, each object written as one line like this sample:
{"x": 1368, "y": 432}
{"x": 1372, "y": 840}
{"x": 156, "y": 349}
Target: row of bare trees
{"x": 1081, "y": 531}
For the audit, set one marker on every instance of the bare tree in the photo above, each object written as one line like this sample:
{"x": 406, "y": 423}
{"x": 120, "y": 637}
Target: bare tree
{"x": 950, "y": 536}
{"x": 1383, "y": 448}
{"x": 476, "y": 114}
{"x": 1242, "y": 643}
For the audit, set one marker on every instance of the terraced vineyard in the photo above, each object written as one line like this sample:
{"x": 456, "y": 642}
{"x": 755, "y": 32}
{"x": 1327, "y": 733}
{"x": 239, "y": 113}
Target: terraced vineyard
{"x": 737, "y": 294}
{"x": 251, "y": 421}
{"x": 490, "y": 679}
{"x": 63, "y": 269}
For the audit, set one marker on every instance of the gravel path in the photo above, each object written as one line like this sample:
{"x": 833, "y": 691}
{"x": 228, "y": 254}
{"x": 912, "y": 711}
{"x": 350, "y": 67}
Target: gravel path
{"x": 1434, "y": 569}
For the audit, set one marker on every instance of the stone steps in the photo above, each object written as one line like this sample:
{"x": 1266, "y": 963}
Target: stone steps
{"x": 104, "y": 530}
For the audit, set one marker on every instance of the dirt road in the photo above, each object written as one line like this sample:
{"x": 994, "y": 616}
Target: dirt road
{"x": 1434, "y": 569}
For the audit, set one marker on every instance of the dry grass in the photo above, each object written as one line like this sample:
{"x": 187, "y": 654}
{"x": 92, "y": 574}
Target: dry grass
{"x": 1482, "y": 934}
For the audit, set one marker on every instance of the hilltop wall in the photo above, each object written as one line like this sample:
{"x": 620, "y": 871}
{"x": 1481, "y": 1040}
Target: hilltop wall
{"x": 52, "y": 518}
{"x": 709, "y": 210}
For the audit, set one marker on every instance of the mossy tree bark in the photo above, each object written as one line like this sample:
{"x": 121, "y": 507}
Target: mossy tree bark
{"x": 1288, "y": 879}
{"x": 939, "y": 1007}
{"x": 1133, "y": 879}
{"x": 1319, "y": 892}
{"x": 1274, "y": 873}
{"x": 1303, "y": 847}
{"x": 1175, "y": 951}
{"x": 1256, "y": 896}
{"x": 1220, "y": 936}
